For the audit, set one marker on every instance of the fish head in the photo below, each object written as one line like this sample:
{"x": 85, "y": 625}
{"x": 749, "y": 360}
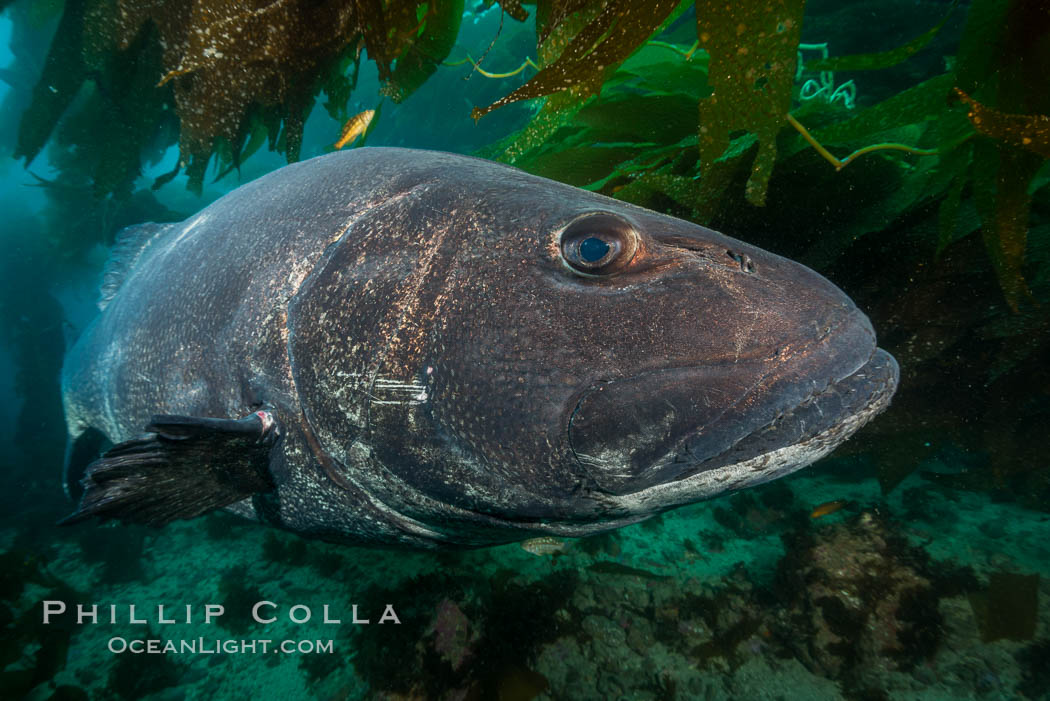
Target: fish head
{"x": 576, "y": 363}
{"x": 723, "y": 366}
{"x": 620, "y": 362}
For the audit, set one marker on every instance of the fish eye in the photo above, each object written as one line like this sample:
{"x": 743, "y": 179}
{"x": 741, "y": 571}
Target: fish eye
{"x": 598, "y": 244}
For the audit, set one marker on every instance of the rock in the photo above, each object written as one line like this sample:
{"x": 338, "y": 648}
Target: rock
{"x": 855, "y": 589}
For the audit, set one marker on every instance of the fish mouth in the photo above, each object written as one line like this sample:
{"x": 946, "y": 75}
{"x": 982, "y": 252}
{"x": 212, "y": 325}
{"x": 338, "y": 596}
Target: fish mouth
{"x": 672, "y": 436}
{"x": 819, "y": 423}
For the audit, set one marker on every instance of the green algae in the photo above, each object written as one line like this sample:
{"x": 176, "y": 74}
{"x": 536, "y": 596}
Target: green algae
{"x": 883, "y": 59}
{"x": 602, "y": 44}
{"x": 435, "y": 37}
{"x": 753, "y": 49}
{"x": 1004, "y": 57}
{"x": 228, "y": 72}
{"x": 742, "y": 83}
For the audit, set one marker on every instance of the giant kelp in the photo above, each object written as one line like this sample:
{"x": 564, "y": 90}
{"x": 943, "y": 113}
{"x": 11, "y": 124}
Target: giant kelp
{"x": 752, "y": 50}
{"x": 883, "y": 59}
{"x": 237, "y": 75}
{"x": 618, "y": 27}
{"x": 232, "y": 74}
{"x": 1003, "y": 63}
{"x": 742, "y": 81}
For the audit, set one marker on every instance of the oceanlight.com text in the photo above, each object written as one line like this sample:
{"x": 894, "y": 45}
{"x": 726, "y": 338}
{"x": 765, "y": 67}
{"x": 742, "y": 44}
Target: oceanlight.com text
{"x": 215, "y": 646}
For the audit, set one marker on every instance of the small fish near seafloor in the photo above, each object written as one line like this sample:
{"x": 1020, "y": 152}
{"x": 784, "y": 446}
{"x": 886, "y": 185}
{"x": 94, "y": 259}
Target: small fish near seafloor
{"x": 354, "y": 127}
{"x": 404, "y": 347}
{"x": 828, "y": 507}
{"x": 544, "y": 545}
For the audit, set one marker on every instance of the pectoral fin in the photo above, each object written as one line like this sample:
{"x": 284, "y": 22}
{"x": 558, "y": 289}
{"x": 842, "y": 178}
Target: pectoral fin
{"x": 184, "y": 467}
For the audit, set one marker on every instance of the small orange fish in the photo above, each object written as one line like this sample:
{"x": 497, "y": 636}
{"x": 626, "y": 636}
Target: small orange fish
{"x": 544, "y": 545}
{"x": 828, "y": 507}
{"x": 354, "y": 127}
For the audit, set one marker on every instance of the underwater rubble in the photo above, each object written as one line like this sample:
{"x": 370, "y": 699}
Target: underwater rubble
{"x": 852, "y": 610}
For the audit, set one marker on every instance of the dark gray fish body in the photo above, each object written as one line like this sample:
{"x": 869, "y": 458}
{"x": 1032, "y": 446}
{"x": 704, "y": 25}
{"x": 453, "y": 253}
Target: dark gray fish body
{"x": 459, "y": 353}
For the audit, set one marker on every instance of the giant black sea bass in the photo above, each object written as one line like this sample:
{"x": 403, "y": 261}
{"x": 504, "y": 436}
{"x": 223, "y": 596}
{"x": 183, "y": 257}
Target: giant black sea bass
{"x": 404, "y": 347}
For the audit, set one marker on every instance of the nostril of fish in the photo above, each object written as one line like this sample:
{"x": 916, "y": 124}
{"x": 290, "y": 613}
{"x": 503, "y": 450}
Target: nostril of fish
{"x": 744, "y": 260}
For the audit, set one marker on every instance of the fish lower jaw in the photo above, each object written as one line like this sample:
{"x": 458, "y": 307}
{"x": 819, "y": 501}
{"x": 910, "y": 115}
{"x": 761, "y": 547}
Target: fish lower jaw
{"x": 758, "y": 469}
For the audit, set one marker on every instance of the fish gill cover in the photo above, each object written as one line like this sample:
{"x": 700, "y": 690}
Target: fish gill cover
{"x": 904, "y": 156}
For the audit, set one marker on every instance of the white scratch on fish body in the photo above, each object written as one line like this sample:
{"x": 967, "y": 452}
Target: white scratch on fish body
{"x": 186, "y": 230}
{"x": 418, "y": 392}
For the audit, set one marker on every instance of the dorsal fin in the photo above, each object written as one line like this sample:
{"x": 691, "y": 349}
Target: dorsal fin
{"x": 131, "y": 243}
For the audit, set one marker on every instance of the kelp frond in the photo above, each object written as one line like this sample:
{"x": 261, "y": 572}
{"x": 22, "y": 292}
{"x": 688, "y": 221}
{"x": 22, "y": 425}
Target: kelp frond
{"x": 753, "y": 50}
{"x": 602, "y": 44}
{"x": 228, "y": 70}
{"x": 1028, "y": 131}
